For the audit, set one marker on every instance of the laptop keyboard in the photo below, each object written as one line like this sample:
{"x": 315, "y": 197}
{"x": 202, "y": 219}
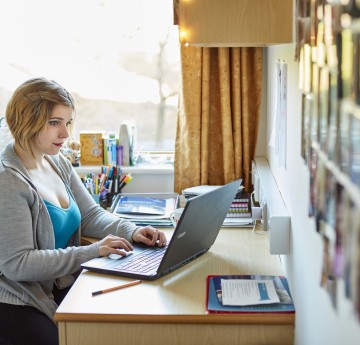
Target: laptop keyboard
{"x": 144, "y": 262}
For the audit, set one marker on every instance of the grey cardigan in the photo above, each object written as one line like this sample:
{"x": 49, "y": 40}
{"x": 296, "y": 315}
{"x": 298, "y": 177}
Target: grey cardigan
{"x": 29, "y": 264}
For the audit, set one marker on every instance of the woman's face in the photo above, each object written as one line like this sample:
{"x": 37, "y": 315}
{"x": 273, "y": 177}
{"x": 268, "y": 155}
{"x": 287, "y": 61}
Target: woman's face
{"x": 56, "y": 131}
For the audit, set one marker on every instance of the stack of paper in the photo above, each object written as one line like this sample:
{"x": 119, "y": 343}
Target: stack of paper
{"x": 146, "y": 209}
{"x": 198, "y": 190}
{"x": 238, "y": 222}
{"x": 248, "y": 294}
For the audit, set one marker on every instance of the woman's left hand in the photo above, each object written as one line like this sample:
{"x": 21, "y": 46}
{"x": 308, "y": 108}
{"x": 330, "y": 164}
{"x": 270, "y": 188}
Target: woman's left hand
{"x": 150, "y": 236}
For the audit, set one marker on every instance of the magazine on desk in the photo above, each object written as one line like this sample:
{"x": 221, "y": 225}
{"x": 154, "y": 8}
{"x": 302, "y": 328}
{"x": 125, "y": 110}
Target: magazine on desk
{"x": 140, "y": 205}
{"x": 146, "y": 208}
{"x": 214, "y": 296}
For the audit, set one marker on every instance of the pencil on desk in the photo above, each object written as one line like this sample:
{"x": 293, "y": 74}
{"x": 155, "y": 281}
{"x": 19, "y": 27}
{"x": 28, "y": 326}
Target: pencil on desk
{"x": 135, "y": 282}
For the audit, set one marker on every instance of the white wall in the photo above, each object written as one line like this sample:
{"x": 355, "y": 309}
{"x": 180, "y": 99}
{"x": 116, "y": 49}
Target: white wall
{"x": 317, "y": 322}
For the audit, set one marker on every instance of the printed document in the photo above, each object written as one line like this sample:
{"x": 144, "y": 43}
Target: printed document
{"x": 238, "y": 292}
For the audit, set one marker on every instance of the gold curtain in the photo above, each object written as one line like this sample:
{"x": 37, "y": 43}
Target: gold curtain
{"x": 218, "y": 117}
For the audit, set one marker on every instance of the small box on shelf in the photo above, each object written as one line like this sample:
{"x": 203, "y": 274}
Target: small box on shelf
{"x": 92, "y": 149}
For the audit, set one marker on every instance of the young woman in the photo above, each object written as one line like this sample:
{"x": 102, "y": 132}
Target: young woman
{"x": 44, "y": 210}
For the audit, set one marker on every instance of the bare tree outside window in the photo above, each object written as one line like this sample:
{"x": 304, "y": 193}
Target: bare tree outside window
{"x": 120, "y": 60}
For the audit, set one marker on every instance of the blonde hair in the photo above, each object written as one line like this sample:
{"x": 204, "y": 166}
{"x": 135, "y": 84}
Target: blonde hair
{"x": 30, "y": 108}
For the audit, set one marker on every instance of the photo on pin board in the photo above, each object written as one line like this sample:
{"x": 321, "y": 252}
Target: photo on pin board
{"x": 314, "y": 120}
{"x": 313, "y": 21}
{"x": 324, "y": 86}
{"x": 313, "y": 160}
{"x": 332, "y": 135}
{"x": 356, "y": 68}
{"x": 354, "y": 155}
{"x": 302, "y": 24}
{"x": 338, "y": 42}
{"x": 328, "y": 281}
{"x": 346, "y": 229}
{"x": 329, "y": 29}
{"x": 330, "y": 198}
{"x": 303, "y": 8}
{"x": 343, "y": 154}
{"x": 305, "y": 126}
{"x": 307, "y": 69}
{"x": 320, "y": 195}
{"x": 341, "y": 219}
{"x": 352, "y": 223}
{"x": 347, "y": 62}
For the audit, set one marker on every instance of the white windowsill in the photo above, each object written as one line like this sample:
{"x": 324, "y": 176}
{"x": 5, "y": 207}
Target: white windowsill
{"x": 162, "y": 169}
{"x": 147, "y": 178}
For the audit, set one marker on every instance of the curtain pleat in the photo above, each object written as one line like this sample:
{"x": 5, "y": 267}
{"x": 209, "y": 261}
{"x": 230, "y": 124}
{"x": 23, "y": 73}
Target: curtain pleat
{"x": 226, "y": 115}
{"x": 236, "y": 110}
{"x": 205, "y": 115}
{"x": 251, "y": 73}
{"x": 188, "y": 135}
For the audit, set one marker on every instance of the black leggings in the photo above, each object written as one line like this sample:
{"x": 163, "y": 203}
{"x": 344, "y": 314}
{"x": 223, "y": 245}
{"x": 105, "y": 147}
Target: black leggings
{"x": 24, "y": 325}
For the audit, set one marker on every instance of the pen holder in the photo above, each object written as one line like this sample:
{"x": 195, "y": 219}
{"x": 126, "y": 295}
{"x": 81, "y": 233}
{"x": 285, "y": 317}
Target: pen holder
{"x": 107, "y": 200}
{"x": 103, "y": 202}
{"x": 96, "y": 198}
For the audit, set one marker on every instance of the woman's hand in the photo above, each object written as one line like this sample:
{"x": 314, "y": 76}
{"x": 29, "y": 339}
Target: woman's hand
{"x": 149, "y": 236}
{"x": 114, "y": 245}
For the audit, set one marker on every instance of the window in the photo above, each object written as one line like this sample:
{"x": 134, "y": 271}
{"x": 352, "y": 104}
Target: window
{"x": 119, "y": 59}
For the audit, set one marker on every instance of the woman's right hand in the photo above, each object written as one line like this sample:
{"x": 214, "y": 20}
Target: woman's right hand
{"x": 112, "y": 244}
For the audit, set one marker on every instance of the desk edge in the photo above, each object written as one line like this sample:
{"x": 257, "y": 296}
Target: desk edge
{"x": 246, "y": 318}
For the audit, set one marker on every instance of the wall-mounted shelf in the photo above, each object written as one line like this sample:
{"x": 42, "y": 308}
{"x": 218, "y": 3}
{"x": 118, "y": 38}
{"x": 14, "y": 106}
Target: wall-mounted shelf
{"x": 235, "y": 23}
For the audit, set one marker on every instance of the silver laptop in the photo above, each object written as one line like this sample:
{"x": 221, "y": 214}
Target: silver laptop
{"x": 193, "y": 236}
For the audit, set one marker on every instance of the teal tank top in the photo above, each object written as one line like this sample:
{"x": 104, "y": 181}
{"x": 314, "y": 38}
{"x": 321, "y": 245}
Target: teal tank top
{"x": 65, "y": 221}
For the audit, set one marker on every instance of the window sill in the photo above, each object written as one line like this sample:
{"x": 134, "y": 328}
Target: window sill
{"x": 159, "y": 169}
{"x": 147, "y": 178}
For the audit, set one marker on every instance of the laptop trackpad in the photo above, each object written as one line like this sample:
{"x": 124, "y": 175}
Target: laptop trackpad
{"x": 111, "y": 260}
{"x": 117, "y": 256}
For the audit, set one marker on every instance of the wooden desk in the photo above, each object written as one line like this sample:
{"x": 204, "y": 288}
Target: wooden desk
{"x": 171, "y": 310}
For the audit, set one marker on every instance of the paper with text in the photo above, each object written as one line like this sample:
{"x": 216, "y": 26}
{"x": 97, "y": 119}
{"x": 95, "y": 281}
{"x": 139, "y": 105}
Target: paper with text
{"x": 248, "y": 292}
